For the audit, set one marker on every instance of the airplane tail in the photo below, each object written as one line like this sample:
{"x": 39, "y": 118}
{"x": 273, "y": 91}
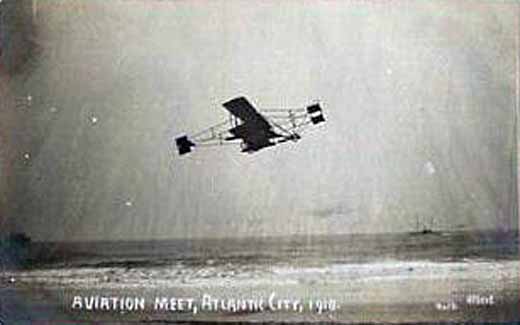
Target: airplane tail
{"x": 315, "y": 113}
{"x": 184, "y": 145}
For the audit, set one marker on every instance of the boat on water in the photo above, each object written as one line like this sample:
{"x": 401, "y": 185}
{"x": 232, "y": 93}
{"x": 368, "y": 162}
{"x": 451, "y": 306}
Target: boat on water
{"x": 421, "y": 228}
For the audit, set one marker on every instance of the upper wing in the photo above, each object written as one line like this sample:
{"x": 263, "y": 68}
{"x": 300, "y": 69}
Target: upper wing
{"x": 241, "y": 108}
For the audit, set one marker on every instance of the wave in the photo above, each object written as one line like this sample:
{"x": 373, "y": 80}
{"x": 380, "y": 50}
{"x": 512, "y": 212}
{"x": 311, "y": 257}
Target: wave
{"x": 254, "y": 274}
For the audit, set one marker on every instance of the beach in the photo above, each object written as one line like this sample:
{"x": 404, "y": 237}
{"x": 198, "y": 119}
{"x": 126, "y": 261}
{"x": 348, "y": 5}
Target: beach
{"x": 300, "y": 280}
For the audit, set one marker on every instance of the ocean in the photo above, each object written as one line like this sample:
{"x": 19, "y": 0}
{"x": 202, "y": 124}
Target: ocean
{"x": 353, "y": 271}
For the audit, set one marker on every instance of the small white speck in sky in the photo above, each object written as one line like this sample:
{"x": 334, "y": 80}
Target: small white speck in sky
{"x": 430, "y": 168}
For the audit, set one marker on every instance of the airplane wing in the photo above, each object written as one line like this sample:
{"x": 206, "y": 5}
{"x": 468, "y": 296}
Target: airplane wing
{"x": 255, "y": 130}
{"x": 241, "y": 108}
{"x": 254, "y": 136}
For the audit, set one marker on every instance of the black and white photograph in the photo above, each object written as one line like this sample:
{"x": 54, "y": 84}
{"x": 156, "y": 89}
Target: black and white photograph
{"x": 233, "y": 161}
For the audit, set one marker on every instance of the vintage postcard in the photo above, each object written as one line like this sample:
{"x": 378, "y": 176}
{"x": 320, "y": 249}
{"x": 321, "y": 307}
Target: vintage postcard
{"x": 229, "y": 161}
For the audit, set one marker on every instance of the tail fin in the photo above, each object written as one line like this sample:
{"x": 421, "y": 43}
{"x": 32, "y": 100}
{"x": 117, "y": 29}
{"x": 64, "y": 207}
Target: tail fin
{"x": 184, "y": 145}
{"x": 315, "y": 113}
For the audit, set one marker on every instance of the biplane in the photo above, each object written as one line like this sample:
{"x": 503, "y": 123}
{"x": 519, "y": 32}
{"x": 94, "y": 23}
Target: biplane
{"x": 253, "y": 129}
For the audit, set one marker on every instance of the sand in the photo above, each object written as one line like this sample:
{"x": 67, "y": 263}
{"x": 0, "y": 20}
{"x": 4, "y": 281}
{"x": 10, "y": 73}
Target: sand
{"x": 388, "y": 300}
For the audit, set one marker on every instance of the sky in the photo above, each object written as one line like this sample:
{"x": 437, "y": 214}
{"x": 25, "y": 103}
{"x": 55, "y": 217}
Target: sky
{"x": 419, "y": 98}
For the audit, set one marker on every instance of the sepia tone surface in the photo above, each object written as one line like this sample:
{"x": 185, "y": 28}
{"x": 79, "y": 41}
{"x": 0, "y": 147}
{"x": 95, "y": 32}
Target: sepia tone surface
{"x": 421, "y": 104}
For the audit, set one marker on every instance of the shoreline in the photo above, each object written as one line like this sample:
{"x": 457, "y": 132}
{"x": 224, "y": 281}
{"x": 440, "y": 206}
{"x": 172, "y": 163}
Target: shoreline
{"x": 407, "y": 301}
